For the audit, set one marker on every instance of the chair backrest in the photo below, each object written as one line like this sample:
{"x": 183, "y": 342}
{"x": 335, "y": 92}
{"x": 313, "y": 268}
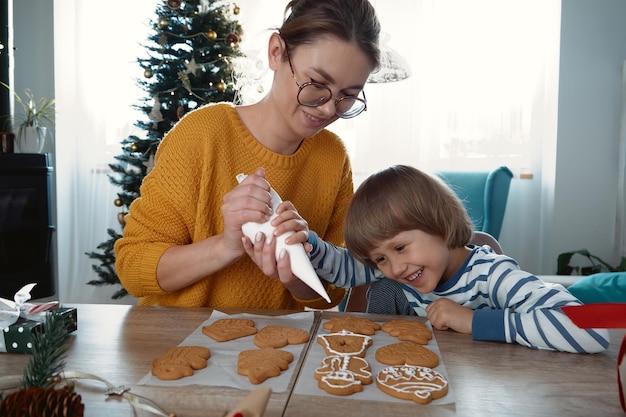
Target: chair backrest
{"x": 357, "y": 296}
{"x": 484, "y": 195}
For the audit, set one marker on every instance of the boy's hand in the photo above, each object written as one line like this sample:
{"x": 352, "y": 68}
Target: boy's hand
{"x": 445, "y": 314}
{"x": 289, "y": 220}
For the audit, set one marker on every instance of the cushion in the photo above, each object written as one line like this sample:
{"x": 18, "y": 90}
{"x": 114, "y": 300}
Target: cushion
{"x": 603, "y": 287}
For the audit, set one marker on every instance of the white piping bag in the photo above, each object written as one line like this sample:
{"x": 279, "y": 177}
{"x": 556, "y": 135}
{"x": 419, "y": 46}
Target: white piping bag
{"x": 300, "y": 263}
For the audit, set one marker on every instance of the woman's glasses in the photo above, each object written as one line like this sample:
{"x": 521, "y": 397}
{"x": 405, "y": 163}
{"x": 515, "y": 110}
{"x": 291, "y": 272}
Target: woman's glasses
{"x": 313, "y": 94}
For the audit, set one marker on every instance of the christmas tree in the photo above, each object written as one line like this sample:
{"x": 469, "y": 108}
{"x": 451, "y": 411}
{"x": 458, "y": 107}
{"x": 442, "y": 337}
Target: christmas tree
{"x": 189, "y": 63}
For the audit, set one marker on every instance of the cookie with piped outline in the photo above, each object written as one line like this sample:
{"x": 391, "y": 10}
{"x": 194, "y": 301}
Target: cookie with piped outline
{"x": 279, "y": 336}
{"x": 345, "y": 343}
{"x": 417, "y": 383}
{"x": 409, "y": 353}
{"x": 414, "y": 331}
{"x": 343, "y": 375}
{"x": 359, "y": 325}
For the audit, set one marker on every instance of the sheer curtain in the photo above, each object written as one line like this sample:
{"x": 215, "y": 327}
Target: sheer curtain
{"x": 482, "y": 94}
{"x": 96, "y": 46}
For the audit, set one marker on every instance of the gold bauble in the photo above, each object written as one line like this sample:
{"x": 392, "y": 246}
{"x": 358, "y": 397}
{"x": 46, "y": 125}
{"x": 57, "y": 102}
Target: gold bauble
{"x": 147, "y": 73}
{"x": 212, "y": 35}
{"x": 236, "y": 10}
{"x": 163, "y": 22}
{"x": 118, "y": 202}
{"x": 134, "y": 147}
{"x": 220, "y": 87}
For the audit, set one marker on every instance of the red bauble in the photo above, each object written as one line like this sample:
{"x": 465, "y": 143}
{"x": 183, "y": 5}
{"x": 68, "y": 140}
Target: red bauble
{"x": 174, "y": 4}
{"x": 232, "y": 39}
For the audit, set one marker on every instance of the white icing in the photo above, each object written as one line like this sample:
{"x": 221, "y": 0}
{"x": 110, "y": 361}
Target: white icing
{"x": 416, "y": 380}
{"x": 365, "y": 342}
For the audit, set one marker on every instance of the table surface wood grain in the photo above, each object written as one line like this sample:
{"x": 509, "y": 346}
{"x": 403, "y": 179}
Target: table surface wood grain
{"x": 119, "y": 343}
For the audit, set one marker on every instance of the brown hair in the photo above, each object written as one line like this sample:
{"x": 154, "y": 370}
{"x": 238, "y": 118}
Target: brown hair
{"x": 348, "y": 20}
{"x": 402, "y": 198}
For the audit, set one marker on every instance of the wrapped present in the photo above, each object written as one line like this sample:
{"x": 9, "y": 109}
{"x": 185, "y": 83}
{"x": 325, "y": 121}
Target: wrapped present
{"x": 20, "y": 320}
{"x": 606, "y": 316}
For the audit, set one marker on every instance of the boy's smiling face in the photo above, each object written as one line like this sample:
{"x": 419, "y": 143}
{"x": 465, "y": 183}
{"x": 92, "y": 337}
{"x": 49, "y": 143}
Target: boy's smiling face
{"x": 414, "y": 258}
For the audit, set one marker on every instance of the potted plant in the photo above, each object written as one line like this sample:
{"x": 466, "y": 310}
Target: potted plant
{"x": 31, "y": 129}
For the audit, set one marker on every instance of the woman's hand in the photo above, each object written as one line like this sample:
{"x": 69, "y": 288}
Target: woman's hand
{"x": 247, "y": 202}
{"x": 445, "y": 314}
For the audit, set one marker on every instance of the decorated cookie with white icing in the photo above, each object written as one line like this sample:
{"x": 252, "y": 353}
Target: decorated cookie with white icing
{"x": 343, "y": 375}
{"x": 345, "y": 343}
{"x": 416, "y": 383}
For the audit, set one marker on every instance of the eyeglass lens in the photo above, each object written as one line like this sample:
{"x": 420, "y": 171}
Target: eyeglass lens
{"x": 314, "y": 94}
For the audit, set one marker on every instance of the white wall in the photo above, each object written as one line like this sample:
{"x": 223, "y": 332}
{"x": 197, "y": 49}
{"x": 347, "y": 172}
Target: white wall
{"x": 593, "y": 50}
{"x": 581, "y": 204}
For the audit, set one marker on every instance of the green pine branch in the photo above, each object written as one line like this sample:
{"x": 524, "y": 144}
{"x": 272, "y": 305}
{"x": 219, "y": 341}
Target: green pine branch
{"x": 49, "y": 349}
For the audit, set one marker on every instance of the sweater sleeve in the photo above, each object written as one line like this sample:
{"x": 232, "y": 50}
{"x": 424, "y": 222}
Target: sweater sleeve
{"x": 337, "y": 266}
{"x": 528, "y": 311}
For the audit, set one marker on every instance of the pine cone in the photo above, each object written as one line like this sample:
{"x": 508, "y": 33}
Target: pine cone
{"x": 42, "y": 402}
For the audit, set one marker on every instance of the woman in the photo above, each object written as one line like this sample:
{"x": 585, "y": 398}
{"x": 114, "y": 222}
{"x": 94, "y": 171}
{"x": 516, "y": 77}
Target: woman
{"x": 183, "y": 244}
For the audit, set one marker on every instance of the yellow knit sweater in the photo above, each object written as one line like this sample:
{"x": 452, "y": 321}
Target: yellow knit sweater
{"x": 181, "y": 201}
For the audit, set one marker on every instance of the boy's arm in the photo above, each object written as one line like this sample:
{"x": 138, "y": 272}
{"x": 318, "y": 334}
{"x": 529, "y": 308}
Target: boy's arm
{"x": 529, "y": 313}
{"x": 337, "y": 266}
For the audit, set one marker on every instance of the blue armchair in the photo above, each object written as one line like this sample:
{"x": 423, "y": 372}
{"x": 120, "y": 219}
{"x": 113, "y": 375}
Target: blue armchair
{"x": 484, "y": 195}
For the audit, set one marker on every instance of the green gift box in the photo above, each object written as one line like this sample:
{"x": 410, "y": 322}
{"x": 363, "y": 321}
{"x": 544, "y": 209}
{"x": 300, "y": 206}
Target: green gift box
{"x": 18, "y": 337}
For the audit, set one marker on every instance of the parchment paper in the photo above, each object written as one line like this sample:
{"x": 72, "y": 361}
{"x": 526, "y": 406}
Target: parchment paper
{"x": 221, "y": 368}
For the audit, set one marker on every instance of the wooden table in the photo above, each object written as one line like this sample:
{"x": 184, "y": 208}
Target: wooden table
{"x": 118, "y": 343}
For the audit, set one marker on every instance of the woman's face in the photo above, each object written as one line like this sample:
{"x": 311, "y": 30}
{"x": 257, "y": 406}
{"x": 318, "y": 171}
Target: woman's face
{"x": 339, "y": 65}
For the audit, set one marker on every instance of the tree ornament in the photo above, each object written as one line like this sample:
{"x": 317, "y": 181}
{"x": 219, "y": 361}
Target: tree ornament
{"x": 220, "y": 87}
{"x": 174, "y": 4}
{"x": 163, "y": 22}
{"x": 147, "y": 73}
{"x": 192, "y": 66}
{"x": 134, "y": 147}
{"x": 211, "y": 35}
{"x": 149, "y": 164}
{"x": 121, "y": 218}
{"x": 236, "y": 10}
{"x": 232, "y": 39}
{"x": 156, "y": 115}
{"x": 118, "y": 202}
{"x": 204, "y": 7}
{"x": 180, "y": 112}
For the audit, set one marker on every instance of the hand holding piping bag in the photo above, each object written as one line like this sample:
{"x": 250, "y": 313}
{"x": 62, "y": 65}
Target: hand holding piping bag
{"x": 300, "y": 264}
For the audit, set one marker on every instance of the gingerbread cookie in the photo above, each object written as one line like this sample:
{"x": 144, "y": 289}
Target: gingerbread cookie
{"x": 359, "y": 325}
{"x": 414, "y": 331}
{"x": 180, "y": 362}
{"x": 260, "y": 364}
{"x": 416, "y": 383}
{"x": 226, "y": 329}
{"x": 343, "y": 375}
{"x": 409, "y": 353}
{"x": 345, "y": 343}
{"x": 279, "y": 336}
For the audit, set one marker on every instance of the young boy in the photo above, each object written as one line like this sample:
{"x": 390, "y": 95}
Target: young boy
{"x": 407, "y": 226}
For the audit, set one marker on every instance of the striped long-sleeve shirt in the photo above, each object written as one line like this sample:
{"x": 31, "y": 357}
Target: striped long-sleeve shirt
{"x": 509, "y": 305}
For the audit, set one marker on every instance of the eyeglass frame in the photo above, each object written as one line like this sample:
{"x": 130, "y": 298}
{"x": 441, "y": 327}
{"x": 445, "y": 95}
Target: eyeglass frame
{"x": 325, "y": 87}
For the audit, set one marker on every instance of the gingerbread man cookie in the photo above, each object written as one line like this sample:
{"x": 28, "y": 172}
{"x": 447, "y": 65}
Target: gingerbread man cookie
{"x": 343, "y": 375}
{"x": 345, "y": 343}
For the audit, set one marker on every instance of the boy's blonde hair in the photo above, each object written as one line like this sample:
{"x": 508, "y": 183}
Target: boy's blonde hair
{"x": 402, "y": 198}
